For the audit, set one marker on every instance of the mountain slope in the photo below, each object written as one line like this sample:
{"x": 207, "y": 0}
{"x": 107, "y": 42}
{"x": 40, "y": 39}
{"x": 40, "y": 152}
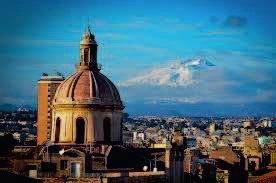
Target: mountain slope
{"x": 174, "y": 74}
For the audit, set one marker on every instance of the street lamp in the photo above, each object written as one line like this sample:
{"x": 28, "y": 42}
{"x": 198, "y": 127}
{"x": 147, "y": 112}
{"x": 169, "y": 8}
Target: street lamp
{"x": 145, "y": 168}
{"x": 155, "y": 168}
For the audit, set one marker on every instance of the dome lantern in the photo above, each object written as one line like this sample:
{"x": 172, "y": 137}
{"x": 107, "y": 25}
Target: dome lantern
{"x": 88, "y": 51}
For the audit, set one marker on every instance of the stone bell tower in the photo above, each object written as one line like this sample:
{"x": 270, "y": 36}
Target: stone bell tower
{"x": 174, "y": 157}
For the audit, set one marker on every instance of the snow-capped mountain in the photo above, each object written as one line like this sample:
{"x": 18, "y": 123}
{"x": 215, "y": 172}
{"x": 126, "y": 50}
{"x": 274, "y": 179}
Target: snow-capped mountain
{"x": 196, "y": 64}
{"x": 177, "y": 73}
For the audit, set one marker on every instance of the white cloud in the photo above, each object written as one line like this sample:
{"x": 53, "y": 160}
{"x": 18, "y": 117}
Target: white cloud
{"x": 162, "y": 76}
{"x": 148, "y": 23}
{"x": 176, "y": 73}
{"x": 172, "y": 99}
{"x": 111, "y": 36}
{"x": 37, "y": 42}
{"x": 221, "y": 32}
{"x": 194, "y": 82}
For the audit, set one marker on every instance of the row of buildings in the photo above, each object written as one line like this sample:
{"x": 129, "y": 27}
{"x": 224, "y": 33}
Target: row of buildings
{"x": 230, "y": 146}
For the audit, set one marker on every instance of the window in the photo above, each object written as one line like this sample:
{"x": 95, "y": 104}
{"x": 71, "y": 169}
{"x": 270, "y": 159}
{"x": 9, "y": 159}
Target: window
{"x": 86, "y": 55}
{"x": 80, "y": 130}
{"x": 57, "y": 130}
{"x": 63, "y": 164}
{"x": 107, "y": 130}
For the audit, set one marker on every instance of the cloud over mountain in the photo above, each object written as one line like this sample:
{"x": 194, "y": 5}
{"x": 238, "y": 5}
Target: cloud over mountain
{"x": 177, "y": 73}
{"x": 183, "y": 86}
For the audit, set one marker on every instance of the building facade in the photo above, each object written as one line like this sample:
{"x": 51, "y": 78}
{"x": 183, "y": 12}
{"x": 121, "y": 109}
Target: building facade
{"x": 47, "y": 86}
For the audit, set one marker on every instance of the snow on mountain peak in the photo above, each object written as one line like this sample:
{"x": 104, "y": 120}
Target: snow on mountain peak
{"x": 173, "y": 74}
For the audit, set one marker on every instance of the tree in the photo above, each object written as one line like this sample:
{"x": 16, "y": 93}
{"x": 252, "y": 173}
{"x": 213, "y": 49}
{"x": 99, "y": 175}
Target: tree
{"x": 7, "y": 143}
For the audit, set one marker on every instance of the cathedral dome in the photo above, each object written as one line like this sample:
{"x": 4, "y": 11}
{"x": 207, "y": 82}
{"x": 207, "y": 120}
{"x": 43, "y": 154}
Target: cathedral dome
{"x": 88, "y": 87}
{"x": 87, "y": 107}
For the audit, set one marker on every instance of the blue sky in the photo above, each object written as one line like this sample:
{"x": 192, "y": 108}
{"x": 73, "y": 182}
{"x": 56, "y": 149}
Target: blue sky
{"x": 138, "y": 37}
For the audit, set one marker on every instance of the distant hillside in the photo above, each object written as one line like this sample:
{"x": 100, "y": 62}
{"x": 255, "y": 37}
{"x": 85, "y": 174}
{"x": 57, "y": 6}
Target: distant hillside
{"x": 201, "y": 109}
{"x": 12, "y": 107}
{"x": 7, "y": 107}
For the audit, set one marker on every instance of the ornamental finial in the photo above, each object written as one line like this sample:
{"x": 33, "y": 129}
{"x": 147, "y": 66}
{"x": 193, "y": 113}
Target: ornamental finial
{"x": 88, "y": 25}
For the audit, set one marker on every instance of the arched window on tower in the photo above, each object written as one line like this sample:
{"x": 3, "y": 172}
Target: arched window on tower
{"x": 86, "y": 57}
{"x": 57, "y": 132}
{"x": 80, "y": 130}
{"x": 107, "y": 130}
{"x": 82, "y": 57}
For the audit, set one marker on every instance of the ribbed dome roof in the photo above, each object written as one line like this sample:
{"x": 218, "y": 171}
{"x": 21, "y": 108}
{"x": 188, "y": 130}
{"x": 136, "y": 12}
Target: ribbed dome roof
{"x": 88, "y": 87}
